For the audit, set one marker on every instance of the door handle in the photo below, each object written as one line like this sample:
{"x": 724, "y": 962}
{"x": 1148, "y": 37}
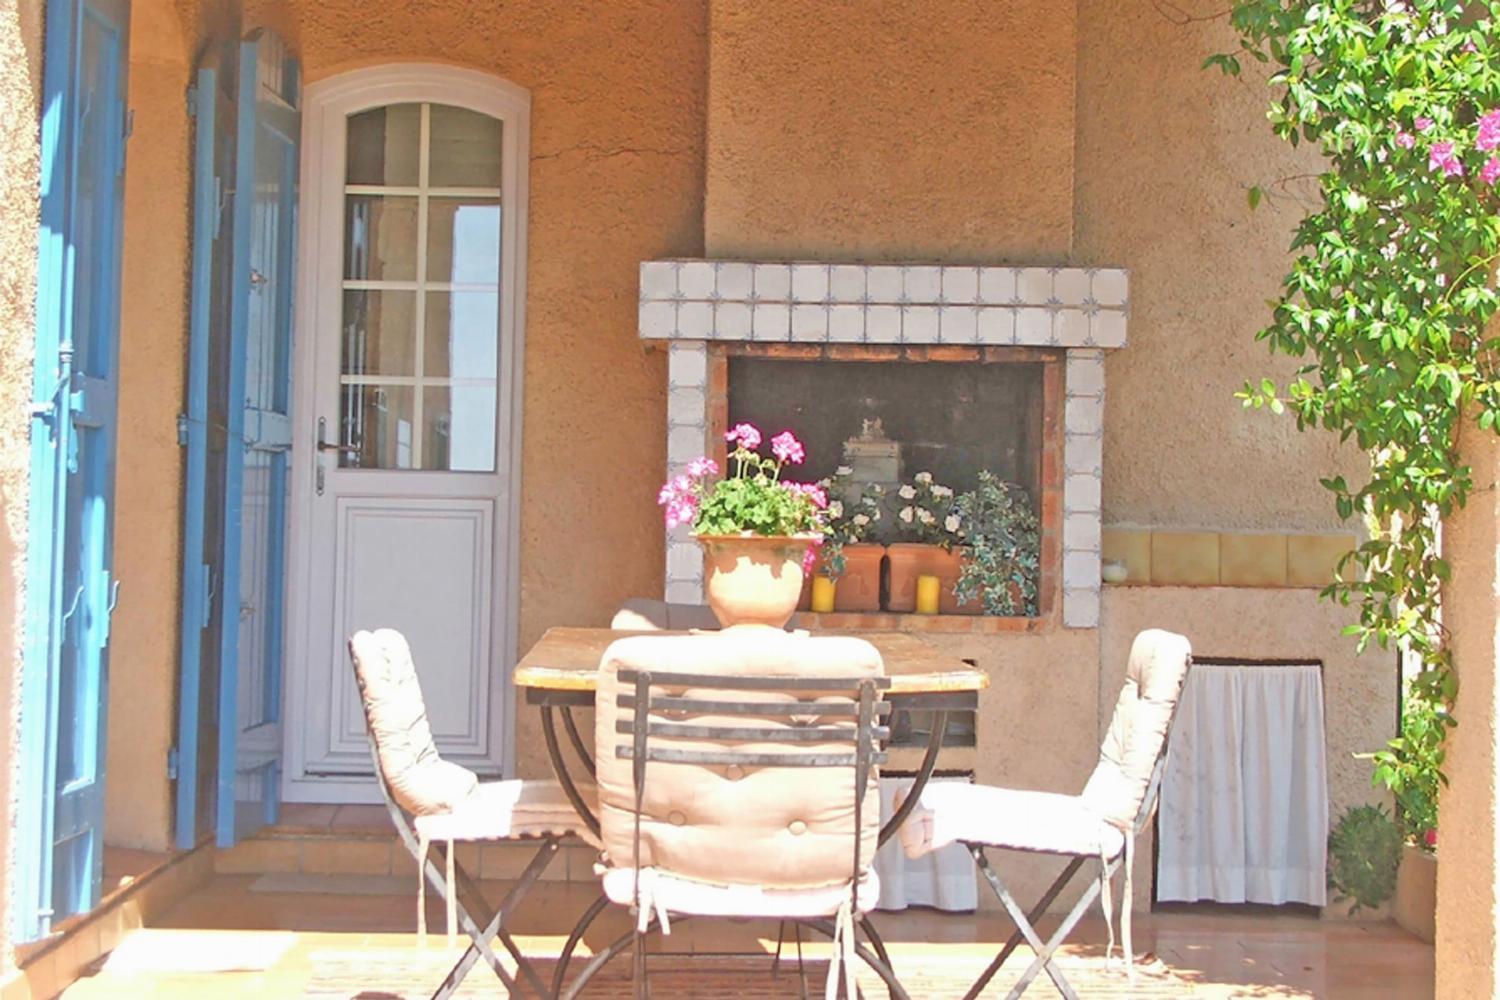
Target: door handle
{"x": 326, "y": 445}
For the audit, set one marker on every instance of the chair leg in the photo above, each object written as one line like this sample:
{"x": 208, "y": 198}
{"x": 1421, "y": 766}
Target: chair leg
{"x": 638, "y": 970}
{"x": 599, "y": 961}
{"x": 882, "y": 969}
{"x": 868, "y": 927}
{"x": 579, "y": 930}
{"x": 982, "y": 863}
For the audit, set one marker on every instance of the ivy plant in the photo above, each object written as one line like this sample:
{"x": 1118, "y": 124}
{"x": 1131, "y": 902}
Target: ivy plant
{"x": 1392, "y": 289}
{"x": 1002, "y": 543}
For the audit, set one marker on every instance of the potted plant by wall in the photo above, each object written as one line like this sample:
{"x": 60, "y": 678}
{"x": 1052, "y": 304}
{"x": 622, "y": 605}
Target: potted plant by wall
{"x": 1364, "y": 851}
{"x": 757, "y": 531}
{"x": 1412, "y": 769}
{"x": 848, "y": 565}
{"x": 1001, "y": 548}
{"x": 927, "y": 527}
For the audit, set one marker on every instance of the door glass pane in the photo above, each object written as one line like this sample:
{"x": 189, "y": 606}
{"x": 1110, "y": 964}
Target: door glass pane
{"x": 465, "y": 148}
{"x": 384, "y": 145}
{"x": 380, "y": 238}
{"x": 459, "y": 428}
{"x": 463, "y": 241}
{"x": 463, "y": 330}
{"x": 380, "y": 332}
{"x": 378, "y": 421}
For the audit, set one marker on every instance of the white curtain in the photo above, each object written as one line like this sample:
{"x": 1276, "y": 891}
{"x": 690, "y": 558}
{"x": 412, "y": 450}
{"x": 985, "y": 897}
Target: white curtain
{"x": 943, "y": 879}
{"x": 1244, "y": 802}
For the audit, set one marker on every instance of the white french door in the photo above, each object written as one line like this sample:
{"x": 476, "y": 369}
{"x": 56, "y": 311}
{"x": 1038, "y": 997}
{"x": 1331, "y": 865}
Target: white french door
{"x": 408, "y": 411}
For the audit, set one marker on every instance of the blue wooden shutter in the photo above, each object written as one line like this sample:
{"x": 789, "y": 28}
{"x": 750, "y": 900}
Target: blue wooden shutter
{"x": 259, "y": 436}
{"x": 71, "y": 592}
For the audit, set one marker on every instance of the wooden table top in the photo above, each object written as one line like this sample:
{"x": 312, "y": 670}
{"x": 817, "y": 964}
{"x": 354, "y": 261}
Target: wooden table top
{"x": 567, "y": 659}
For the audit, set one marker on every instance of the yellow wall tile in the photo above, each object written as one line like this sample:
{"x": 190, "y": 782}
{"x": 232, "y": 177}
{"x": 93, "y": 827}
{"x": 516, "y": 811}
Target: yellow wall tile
{"x": 1311, "y": 560}
{"x": 1133, "y": 548}
{"x": 1185, "y": 558}
{"x": 1252, "y": 560}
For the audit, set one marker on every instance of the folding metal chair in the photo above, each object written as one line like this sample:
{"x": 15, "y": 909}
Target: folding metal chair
{"x": 683, "y": 753}
{"x": 1099, "y": 825}
{"x": 431, "y": 800}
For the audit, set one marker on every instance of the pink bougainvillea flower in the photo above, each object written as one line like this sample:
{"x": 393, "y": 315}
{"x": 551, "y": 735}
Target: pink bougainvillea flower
{"x": 745, "y": 434}
{"x": 1489, "y": 131}
{"x": 1490, "y": 172}
{"x": 787, "y": 448}
{"x": 1405, "y": 140}
{"x": 1422, "y": 124}
{"x": 702, "y": 467}
{"x": 1440, "y": 156}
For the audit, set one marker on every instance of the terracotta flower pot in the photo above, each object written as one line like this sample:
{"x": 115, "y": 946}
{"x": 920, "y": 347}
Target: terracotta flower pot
{"x": 910, "y": 560}
{"x": 752, "y": 579}
{"x": 859, "y": 587}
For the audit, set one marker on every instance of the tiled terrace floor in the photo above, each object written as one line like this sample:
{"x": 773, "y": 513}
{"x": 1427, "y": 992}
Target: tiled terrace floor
{"x": 351, "y": 937}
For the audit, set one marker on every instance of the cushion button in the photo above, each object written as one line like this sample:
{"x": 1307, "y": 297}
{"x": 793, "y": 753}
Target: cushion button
{"x": 734, "y": 772}
{"x": 797, "y": 828}
{"x": 676, "y": 818}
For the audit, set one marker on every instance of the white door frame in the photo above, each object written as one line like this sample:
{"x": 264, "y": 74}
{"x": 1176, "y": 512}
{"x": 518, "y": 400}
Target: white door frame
{"x": 327, "y": 104}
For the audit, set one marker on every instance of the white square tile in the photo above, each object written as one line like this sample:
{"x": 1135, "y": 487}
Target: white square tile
{"x": 1071, "y": 327}
{"x": 773, "y": 282}
{"x": 846, "y": 283}
{"x": 883, "y": 324}
{"x": 1070, "y": 286}
{"x": 1083, "y": 453}
{"x": 1107, "y": 328}
{"x": 687, "y": 365}
{"x": 958, "y": 325}
{"x": 919, "y": 324}
{"x": 1081, "y": 531}
{"x": 684, "y": 443}
{"x": 1083, "y": 415}
{"x": 1080, "y": 493}
{"x": 1080, "y": 569}
{"x": 684, "y": 592}
{"x": 732, "y": 321}
{"x": 1033, "y": 326}
{"x": 1085, "y": 373}
{"x": 997, "y": 285}
{"x": 846, "y": 324}
{"x": 695, "y": 320}
{"x": 884, "y": 283}
{"x": 1034, "y": 285}
{"x": 684, "y": 561}
{"x": 1081, "y": 608}
{"x": 922, "y": 284}
{"x": 695, "y": 280}
{"x": 997, "y": 325}
{"x": 810, "y": 323}
{"x": 658, "y": 319}
{"x": 771, "y": 321}
{"x": 734, "y": 281}
{"x": 685, "y": 407}
{"x": 960, "y": 285}
{"x": 809, "y": 282}
{"x": 658, "y": 280}
{"x": 1111, "y": 286}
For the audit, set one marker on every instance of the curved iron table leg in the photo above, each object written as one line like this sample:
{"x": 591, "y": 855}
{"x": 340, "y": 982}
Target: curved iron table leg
{"x": 601, "y": 959}
{"x": 579, "y": 747}
{"x": 881, "y": 969}
{"x": 929, "y": 761}
{"x": 560, "y": 768}
{"x": 868, "y": 927}
{"x": 579, "y": 930}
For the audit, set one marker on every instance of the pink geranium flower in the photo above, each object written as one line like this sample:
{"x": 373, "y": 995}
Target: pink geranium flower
{"x": 746, "y": 435}
{"x": 812, "y": 491}
{"x": 787, "y": 448}
{"x": 702, "y": 467}
{"x": 1490, "y": 172}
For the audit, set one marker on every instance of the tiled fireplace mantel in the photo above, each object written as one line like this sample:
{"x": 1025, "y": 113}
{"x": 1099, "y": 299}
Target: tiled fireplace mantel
{"x": 1083, "y": 311}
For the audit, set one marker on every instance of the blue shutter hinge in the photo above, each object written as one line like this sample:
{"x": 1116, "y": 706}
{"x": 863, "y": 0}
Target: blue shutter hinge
{"x": 172, "y": 758}
{"x": 182, "y": 429}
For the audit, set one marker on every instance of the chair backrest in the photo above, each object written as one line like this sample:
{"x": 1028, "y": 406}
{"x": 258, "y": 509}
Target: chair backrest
{"x": 1123, "y": 786}
{"x": 642, "y": 614}
{"x": 741, "y": 759}
{"x": 412, "y": 772}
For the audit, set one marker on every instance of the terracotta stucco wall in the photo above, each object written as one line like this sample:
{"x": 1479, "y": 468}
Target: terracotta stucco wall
{"x": 20, "y": 161}
{"x": 148, "y": 484}
{"x": 1166, "y": 152}
{"x": 616, "y": 177}
{"x": 890, "y": 130}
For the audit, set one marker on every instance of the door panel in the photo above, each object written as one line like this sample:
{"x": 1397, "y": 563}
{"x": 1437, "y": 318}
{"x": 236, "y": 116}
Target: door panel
{"x": 71, "y": 590}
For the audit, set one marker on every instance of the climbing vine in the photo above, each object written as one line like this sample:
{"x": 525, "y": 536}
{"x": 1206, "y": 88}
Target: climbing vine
{"x": 1393, "y": 286}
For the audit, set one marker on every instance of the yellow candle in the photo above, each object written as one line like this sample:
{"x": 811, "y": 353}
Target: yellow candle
{"x": 928, "y": 589}
{"x": 822, "y": 594}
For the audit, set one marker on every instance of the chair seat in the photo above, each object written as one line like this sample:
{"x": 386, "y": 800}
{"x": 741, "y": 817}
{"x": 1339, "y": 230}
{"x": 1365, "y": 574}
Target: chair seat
{"x": 706, "y": 899}
{"x": 955, "y": 812}
{"x": 509, "y": 810}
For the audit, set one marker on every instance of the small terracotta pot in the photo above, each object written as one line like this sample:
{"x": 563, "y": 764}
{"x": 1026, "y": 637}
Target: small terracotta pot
{"x": 859, "y": 587}
{"x": 753, "y": 579}
{"x": 910, "y": 560}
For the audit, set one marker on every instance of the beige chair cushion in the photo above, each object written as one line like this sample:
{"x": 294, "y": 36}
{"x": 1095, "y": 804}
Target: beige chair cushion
{"x": 706, "y": 899}
{"x": 419, "y": 780}
{"x": 958, "y": 812}
{"x": 774, "y": 827}
{"x": 503, "y": 810}
{"x": 1153, "y": 683}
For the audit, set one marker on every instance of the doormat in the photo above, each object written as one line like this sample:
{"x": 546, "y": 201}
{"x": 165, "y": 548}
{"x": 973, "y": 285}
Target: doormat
{"x": 414, "y": 975}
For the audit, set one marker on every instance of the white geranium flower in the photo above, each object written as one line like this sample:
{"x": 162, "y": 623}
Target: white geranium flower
{"x": 923, "y": 477}
{"x": 907, "y": 513}
{"x": 861, "y": 519}
{"x": 925, "y": 516}
{"x": 875, "y": 514}
{"x": 907, "y": 492}
{"x": 843, "y": 470}
{"x": 835, "y": 509}
{"x": 942, "y": 491}
{"x": 950, "y": 524}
